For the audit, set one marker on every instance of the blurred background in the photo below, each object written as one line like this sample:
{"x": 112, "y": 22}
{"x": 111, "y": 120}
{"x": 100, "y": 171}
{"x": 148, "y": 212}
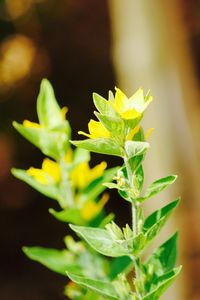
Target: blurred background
{"x": 82, "y": 47}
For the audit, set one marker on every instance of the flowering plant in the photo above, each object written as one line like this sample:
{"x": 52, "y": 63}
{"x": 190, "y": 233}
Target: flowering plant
{"x": 107, "y": 262}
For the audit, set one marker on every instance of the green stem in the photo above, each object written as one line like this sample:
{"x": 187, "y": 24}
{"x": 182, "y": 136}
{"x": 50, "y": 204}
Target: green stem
{"x": 67, "y": 199}
{"x": 135, "y": 221}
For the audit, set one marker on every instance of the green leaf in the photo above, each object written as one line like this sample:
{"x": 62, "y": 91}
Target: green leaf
{"x": 154, "y": 223}
{"x": 96, "y": 187}
{"x": 48, "y": 110}
{"x": 102, "y": 145}
{"x": 119, "y": 265}
{"x": 80, "y": 156}
{"x": 162, "y": 284}
{"x": 134, "y": 148}
{"x": 114, "y": 125}
{"x": 157, "y": 186}
{"x": 103, "y": 288}
{"x": 50, "y": 191}
{"x": 69, "y": 215}
{"x": 160, "y": 213}
{"x": 104, "y": 106}
{"x": 100, "y": 240}
{"x": 58, "y": 261}
{"x": 163, "y": 258}
{"x": 51, "y": 143}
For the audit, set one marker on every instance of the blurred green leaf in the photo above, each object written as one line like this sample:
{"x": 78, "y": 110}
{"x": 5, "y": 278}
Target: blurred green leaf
{"x": 58, "y": 261}
{"x": 50, "y": 191}
{"x": 69, "y": 215}
{"x": 48, "y": 110}
{"x": 51, "y": 143}
{"x": 96, "y": 187}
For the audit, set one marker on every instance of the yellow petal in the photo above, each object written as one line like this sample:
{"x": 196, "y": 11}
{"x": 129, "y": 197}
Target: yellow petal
{"x": 38, "y": 175}
{"x": 148, "y": 133}
{"x": 64, "y": 110}
{"x": 52, "y": 169}
{"x": 131, "y": 134}
{"x": 120, "y": 98}
{"x": 91, "y": 209}
{"x": 82, "y": 175}
{"x": 30, "y": 124}
{"x": 79, "y": 175}
{"x": 97, "y": 171}
{"x": 97, "y": 130}
{"x": 68, "y": 156}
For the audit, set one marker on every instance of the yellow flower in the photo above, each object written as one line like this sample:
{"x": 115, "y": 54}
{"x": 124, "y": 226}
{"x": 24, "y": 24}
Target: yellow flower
{"x": 130, "y": 108}
{"x": 91, "y": 208}
{"x": 50, "y": 172}
{"x": 82, "y": 175}
{"x": 96, "y": 130}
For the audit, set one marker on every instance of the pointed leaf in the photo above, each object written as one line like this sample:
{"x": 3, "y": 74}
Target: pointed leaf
{"x": 160, "y": 213}
{"x": 157, "y": 186}
{"x": 119, "y": 265}
{"x": 69, "y": 215}
{"x": 134, "y": 148}
{"x": 58, "y": 261}
{"x": 163, "y": 283}
{"x": 103, "y": 288}
{"x": 103, "y": 106}
{"x": 154, "y": 223}
{"x": 100, "y": 240}
{"x": 49, "y": 112}
{"x": 163, "y": 258}
{"x": 50, "y": 191}
{"x": 101, "y": 145}
{"x": 51, "y": 143}
{"x": 114, "y": 125}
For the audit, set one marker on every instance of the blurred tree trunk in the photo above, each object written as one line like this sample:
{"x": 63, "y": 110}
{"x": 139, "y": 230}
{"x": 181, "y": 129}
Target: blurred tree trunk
{"x": 150, "y": 50}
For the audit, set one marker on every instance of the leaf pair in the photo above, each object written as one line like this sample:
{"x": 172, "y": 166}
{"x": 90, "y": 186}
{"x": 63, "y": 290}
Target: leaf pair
{"x": 102, "y": 241}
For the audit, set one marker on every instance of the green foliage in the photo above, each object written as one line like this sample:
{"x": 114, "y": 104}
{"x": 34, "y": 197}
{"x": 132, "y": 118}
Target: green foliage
{"x": 107, "y": 262}
{"x": 102, "y": 145}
